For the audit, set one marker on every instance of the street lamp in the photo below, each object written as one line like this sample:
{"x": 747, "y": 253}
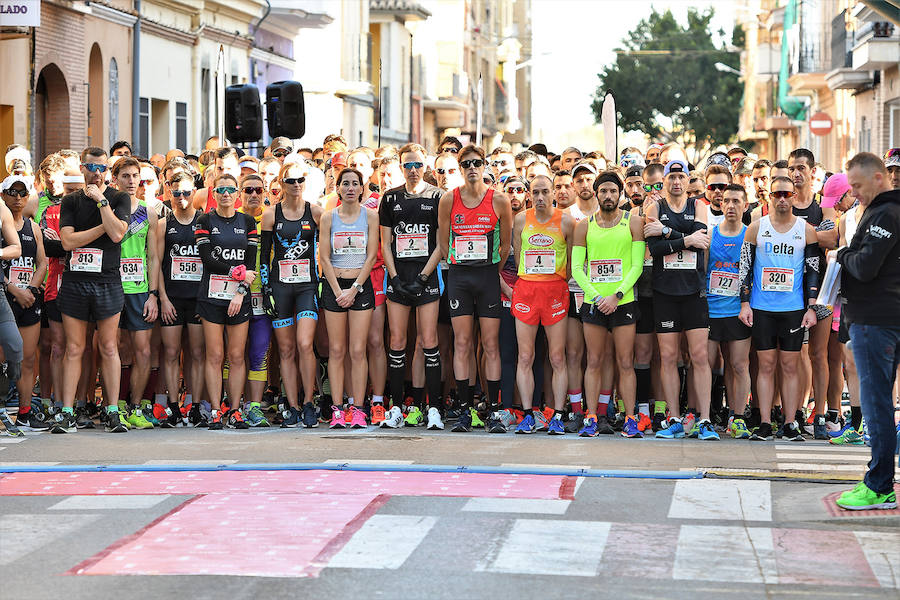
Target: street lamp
{"x": 722, "y": 67}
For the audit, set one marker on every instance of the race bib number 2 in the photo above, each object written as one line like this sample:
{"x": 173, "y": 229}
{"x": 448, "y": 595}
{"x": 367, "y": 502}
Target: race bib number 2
{"x": 412, "y": 245}
{"x": 86, "y": 260}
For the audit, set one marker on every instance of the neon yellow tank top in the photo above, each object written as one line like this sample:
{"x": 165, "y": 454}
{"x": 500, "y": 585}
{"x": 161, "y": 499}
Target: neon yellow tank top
{"x": 609, "y": 255}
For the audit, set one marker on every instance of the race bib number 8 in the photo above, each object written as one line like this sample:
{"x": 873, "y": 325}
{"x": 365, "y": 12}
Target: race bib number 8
{"x": 86, "y": 260}
{"x": 470, "y": 247}
{"x": 132, "y": 269}
{"x": 777, "y": 280}
{"x": 20, "y": 276}
{"x": 412, "y": 245}
{"x": 348, "y": 242}
{"x": 606, "y": 271}
{"x": 540, "y": 262}
{"x": 723, "y": 283}
{"x": 681, "y": 260}
{"x": 293, "y": 271}
{"x": 187, "y": 268}
{"x": 222, "y": 287}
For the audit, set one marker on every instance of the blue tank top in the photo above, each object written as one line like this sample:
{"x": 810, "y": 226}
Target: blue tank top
{"x": 348, "y": 242}
{"x": 722, "y": 285}
{"x": 778, "y": 268}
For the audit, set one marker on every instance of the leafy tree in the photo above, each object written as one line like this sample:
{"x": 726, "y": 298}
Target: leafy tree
{"x": 666, "y": 84}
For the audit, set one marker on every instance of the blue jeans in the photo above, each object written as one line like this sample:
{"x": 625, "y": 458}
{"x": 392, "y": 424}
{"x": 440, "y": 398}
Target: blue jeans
{"x": 876, "y": 350}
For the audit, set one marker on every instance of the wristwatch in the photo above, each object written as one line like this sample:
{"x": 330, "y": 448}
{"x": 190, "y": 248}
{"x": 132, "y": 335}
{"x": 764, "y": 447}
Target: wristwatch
{"x": 423, "y": 278}
{"x": 666, "y": 230}
{"x": 358, "y": 287}
{"x": 154, "y": 293}
{"x": 243, "y": 288}
{"x": 619, "y": 295}
{"x": 103, "y": 202}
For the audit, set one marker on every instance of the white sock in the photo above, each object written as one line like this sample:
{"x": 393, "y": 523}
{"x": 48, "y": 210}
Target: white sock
{"x": 644, "y": 408}
{"x": 377, "y": 399}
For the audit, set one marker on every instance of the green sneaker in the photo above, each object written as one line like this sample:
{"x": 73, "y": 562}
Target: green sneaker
{"x": 255, "y": 417}
{"x": 850, "y": 437}
{"x": 147, "y": 412}
{"x": 124, "y": 420}
{"x": 476, "y": 420}
{"x": 738, "y": 430}
{"x": 137, "y": 420}
{"x": 862, "y": 498}
{"x": 695, "y": 430}
{"x": 415, "y": 418}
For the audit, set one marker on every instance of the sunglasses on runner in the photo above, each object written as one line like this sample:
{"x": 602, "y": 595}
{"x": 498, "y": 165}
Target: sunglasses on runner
{"x": 19, "y": 193}
{"x": 294, "y": 180}
{"x": 445, "y": 171}
{"x": 892, "y": 152}
{"x": 280, "y": 153}
{"x": 253, "y": 190}
{"x": 515, "y": 189}
{"x": 450, "y": 149}
{"x": 472, "y": 162}
{"x": 649, "y": 187}
{"x": 713, "y": 187}
{"x": 225, "y": 189}
{"x": 181, "y": 193}
{"x": 94, "y": 168}
{"x": 782, "y": 194}
{"x": 409, "y": 166}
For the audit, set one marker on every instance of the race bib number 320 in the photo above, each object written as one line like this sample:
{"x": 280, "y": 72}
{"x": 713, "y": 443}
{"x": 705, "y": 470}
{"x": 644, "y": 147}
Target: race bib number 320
{"x": 86, "y": 260}
{"x": 777, "y": 280}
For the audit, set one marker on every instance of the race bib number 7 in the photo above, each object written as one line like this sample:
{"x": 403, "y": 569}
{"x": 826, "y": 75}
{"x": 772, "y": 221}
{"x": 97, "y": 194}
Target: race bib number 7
{"x": 86, "y": 260}
{"x": 222, "y": 287}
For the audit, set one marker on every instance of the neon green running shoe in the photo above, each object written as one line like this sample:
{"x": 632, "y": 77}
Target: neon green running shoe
{"x": 476, "y": 420}
{"x": 255, "y": 417}
{"x": 415, "y": 418}
{"x": 850, "y": 437}
{"x": 738, "y": 430}
{"x": 137, "y": 420}
{"x": 862, "y": 498}
{"x": 124, "y": 420}
{"x": 695, "y": 430}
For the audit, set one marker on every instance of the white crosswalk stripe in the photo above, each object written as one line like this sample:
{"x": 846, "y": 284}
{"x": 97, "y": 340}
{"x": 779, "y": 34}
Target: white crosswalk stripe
{"x": 728, "y": 499}
{"x": 383, "y": 542}
{"x": 882, "y": 550}
{"x": 514, "y": 506}
{"x": 823, "y": 457}
{"x": 714, "y": 553}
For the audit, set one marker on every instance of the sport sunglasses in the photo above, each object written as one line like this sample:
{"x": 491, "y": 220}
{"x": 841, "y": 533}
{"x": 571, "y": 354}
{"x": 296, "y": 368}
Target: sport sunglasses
{"x": 472, "y": 162}
{"x": 649, "y": 187}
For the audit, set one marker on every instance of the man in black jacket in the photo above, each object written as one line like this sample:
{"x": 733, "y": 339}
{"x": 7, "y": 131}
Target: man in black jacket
{"x": 871, "y": 286}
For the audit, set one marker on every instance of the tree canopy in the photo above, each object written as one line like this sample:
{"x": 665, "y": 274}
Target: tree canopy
{"x": 665, "y": 71}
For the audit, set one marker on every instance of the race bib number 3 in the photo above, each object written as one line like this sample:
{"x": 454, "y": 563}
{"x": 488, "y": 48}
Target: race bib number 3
{"x": 132, "y": 269}
{"x": 777, "y": 280}
{"x": 293, "y": 271}
{"x": 20, "y": 276}
{"x": 681, "y": 260}
{"x": 723, "y": 283}
{"x": 412, "y": 245}
{"x": 222, "y": 287}
{"x": 187, "y": 268}
{"x": 348, "y": 242}
{"x": 86, "y": 260}
{"x": 606, "y": 271}
{"x": 540, "y": 262}
{"x": 470, "y": 247}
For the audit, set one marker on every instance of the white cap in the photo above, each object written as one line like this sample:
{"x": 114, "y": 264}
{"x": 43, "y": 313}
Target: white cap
{"x": 19, "y": 153}
{"x": 27, "y": 180}
{"x": 73, "y": 178}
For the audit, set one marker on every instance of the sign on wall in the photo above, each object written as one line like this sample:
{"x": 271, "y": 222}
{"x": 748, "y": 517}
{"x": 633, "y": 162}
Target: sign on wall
{"x": 20, "y": 13}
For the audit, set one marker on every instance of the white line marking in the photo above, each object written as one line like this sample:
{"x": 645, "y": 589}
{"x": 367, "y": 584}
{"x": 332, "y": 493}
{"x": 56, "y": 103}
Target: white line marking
{"x": 824, "y": 447}
{"x": 13, "y": 440}
{"x": 716, "y": 553}
{"x": 823, "y": 467}
{"x": 513, "y": 506}
{"x": 832, "y": 457}
{"x": 383, "y": 542}
{"x": 110, "y": 502}
{"x": 357, "y": 461}
{"x": 23, "y": 534}
{"x": 882, "y": 550}
{"x": 537, "y": 466}
{"x": 27, "y": 464}
{"x": 721, "y": 499}
{"x": 193, "y": 461}
{"x": 543, "y": 547}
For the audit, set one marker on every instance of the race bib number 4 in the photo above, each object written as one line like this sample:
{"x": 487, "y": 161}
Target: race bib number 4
{"x": 540, "y": 262}
{"x": 293, "y": 271}
{"x": 20, "y": 276}
{"x": 412, "y": 245}
{"x": 470, "y": 247}
{"x": 681, "y": 260}
{"x": 777, "y": 280}
{"x": 222, "y": 287}
{"x": 348, "y": 242}
{"x": 723, "y": 283}
{"x": 187, "y": 268}
{"x": 606, "y": 271}
{"x": 132, "y": 269}
{"x": 86, "y": 260}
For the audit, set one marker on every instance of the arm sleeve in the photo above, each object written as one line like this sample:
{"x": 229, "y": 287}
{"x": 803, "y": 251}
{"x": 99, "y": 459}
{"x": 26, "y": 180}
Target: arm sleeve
{"x": 871, "y": 245}
{"x": 748, "y": 256}
{"x": 699, "y": 226}
{"x": 252, "y": 243}
{"x": 579, "y": 254}
{"x": 637, "y": 266}
{"x": 53, "y": 248}
{"x": 660, "y": 246}
{"x": 66, "y": 212}
{"x": 811, "y": 267}
{"x": 204, "y": 247}
{"x": 265, "y": 256}
{"x": 121, "y": 205}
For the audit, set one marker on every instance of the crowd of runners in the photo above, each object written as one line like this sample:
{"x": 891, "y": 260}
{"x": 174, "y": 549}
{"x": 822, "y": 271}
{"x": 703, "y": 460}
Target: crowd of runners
{"x": 351, "y": 287}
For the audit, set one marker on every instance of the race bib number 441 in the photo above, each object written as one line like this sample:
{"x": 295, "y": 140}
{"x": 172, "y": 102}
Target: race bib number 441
{"x": 20, "y": 276}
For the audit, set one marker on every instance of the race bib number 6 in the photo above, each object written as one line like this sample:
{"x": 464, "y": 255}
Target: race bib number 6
{"x": 86, "y": 260}
{"x": 293, "y": 271}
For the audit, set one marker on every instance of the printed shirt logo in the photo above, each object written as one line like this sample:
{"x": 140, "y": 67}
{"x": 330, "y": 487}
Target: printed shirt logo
{"x": 540, "y": 239}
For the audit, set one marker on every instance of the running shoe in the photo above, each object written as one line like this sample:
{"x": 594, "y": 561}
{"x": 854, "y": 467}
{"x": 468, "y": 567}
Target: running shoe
{"x": 862, "y": 498}
{"x": 706, "y": 431}
{"x": 792, "y": 432}
{"x": 840, "y": 432}
{"x": 673, "y": 430}
{"x": 393, "y": 419}
{"x": 357, "y": 418}
{"x": 630, "y": 428}
{"x": 541, "y": 422}
{"x": 464, "y": 423}
{"x": 255, "y": 417}
{"x": 658, "y": 422}
{"x": 644, "y": 423}
{"x": 556, "y": 426}
{"x": 833, "y": 427}
{"x": 11, "y": 429}
{"x": 338, "y": 419}
{"x": 820, "y": 429}
{"x": 377, "y": 413}
{"x": 518, "y": 414}
{"x": 527, "y": 425}
{"x": 590, "y": 427}
{"x": 161, "y": 414}
{"x": 137, "y": 419}
{"x": 618, "y": 423}
{"x": 574, "y": 422}
{"x": 415, "y": 418}
{"x": 603, "y": 426}
{"x": 763, "y": 433}
{"x": 434, "y": 419}
{"x": 148, "y": 412}
{"x": 63, "y": 422}
{"x": 310, "y": 419}
{"x": 694, "y": 431}
{"x": 738, "y": 429}
{"x": 234, "y": 419}
{"x": 850, "y": 437}
{"x": 115, "y": 422}
{"x": 548, "y": 413}
{"x": 474, "y": 419}
{"x": 33, "y": 421}
{"x": 216, "y": 424}
{"x": 174, "y": 413}
{"x": 196, "y": 416}
{"x": 325, "y": 405}
{"x": 83, "y": 420}
{"x": 495, "y": 422}
{"x": 291, "y": 418}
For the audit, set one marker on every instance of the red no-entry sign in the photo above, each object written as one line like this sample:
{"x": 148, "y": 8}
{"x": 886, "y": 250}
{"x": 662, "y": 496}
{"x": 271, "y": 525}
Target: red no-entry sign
{"x": 820, "y": 123}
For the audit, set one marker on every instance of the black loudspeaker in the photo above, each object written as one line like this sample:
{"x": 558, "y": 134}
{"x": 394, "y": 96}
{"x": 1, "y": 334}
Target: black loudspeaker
{"x": 243, "y": 113}
{"x": 285, "y": 112}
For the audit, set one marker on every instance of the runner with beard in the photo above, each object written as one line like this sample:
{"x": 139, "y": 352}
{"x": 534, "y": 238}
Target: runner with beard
{"x": 717, "y": 179}
{"x": 760, "y": 203}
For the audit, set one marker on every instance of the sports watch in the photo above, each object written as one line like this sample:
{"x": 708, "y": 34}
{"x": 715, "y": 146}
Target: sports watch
{"x": 358, "y": 287}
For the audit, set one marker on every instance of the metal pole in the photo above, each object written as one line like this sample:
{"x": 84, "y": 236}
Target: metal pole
{"x": 220, "y": 93}
{"x": 380, "y": 104}
{"x": 479, "y": 110}
{"x": 136, "y": 82}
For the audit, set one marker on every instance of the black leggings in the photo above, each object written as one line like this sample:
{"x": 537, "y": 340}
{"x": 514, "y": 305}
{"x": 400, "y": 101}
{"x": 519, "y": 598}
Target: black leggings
{"x": 10, "y": 340}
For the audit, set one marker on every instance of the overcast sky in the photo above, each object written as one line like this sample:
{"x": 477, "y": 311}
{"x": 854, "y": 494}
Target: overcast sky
{"x": 580, "y": 36}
